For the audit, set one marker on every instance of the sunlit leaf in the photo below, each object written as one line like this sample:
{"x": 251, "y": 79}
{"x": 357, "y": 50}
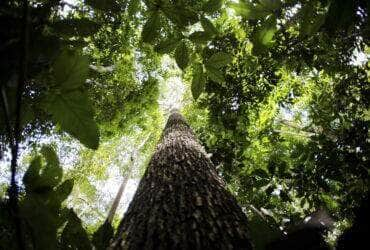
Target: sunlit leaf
{"x": 70, "y": 70}
{"x": 73, "y": 112}
{"x": 264, "y": 37}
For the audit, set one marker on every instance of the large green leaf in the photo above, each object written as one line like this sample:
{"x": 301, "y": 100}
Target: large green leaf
{"x": 102, "y": 236}
{"x": 215, "y": 74}
{"x": 75, "y": 27}
{"x": 248, "y": 10}
{"x": 211, "y": 6}
{"x": 198, "y": 82}
{"x": 264, "y": 36}
{"x": 208, "y": 26}
{"x": 52, "y": 173}
{"x": 200, "y": 37}
{"x": 70, "y": 70}
{"x": 73, "y": 111}
{"x": 180, "y": 15}
{"x": 105, "y": 5}
{"x": 151, "y": 28}
{"x": 219, "y": 60}
{"x": 32, "y": 174}
{"x": 74, "y": 235}
{"x": 182, "y": 55}
{"x": 167, "y": 45}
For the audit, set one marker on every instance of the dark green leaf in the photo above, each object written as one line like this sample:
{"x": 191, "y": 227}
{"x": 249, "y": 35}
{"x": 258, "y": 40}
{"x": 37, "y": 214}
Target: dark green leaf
{"x": 75, "y": 27}
{"x": 74, "y": 235}
{"x": 215, "y": 74}
{"x": 198, "y": 82}
{"x": 151, "y": 28}
{"x": 102, "y": 236}
{"x": 166, "y": 46}
{"x": 271, "y": 4}
{"x": 64, "y": 190}
{"x": 211, "y": 6}
{"x": 200, "y": 37}
{"x": 32, "y": 174}
{"x": 208, "y": 26}
{"x": 104, "y": 5}
{"x": 180, "y": 15}
{"x": 52, "y": 173}
{"x": 248, "y": 10}
{"x": 70, "y": 70}
{"x": 74, "y": 113}
{"x": 219, "y": 59}
{"x": 264, "y": 37}
{"x": 182, "y": 55}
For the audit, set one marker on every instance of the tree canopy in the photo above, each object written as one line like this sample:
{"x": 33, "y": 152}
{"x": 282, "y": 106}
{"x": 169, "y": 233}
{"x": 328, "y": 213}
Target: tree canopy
{"x": 276, "y": 90}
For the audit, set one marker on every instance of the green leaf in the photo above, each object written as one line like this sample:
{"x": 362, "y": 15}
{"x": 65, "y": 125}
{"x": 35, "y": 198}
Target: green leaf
{"x": 52, "y": 173}
{"x": 75, "y": 27}
{"x": 167, "y": 46}
{"x": 73, "y": 111}
{"x": 208, "y": 26}
{"x": 32, "y": 174}
{"x": 211, "y": 6}
{"x": 182, "y": 55}
{"x": 248, "y": 10}
{"x": 74, "y": 235}
{"x": 64, "y": 190}
{"x": 102, "y": 236}
{"x": 70, "y": 70}
{"x": 271, "y": 5}
{"x": 198, "y": 82}
{"x": 104, "y": 5}
{"x": 42, "y": 222}
{"x": 219, "y": 59}
{"x": 200, "y": 37}
{"x": 264, "y": 37}
{"x": 215, "y": 74}
{"x": 151, "y": 28}
{"x": 180, "y": 15}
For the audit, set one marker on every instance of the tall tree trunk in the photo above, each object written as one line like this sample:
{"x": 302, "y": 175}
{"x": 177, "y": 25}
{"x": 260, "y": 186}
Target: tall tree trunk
{"x": 181, "y": 202}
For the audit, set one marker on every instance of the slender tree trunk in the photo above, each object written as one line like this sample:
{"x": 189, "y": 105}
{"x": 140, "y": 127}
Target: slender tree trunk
{"x": 181, "y": 202}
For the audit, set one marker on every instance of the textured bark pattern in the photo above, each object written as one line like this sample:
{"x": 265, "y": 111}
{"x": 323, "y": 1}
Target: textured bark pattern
{"x": 181, "y": 202}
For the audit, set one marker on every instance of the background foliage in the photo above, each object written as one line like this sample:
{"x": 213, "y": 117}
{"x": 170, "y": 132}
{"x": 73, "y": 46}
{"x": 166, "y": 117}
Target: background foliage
{"x": 277, "y": 92}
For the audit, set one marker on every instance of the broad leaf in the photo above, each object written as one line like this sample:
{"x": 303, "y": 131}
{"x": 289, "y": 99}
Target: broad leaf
{"x": 200, "y": 37}
{"x": 75, "y": 27}
{"x": 105, "y": 5}
{"x": 208, "y": 26}
{"x": 198, "y": 82}
{"x": 74, "y": 113}
{"x": 180, "y": 15}
{"x": 182, "y": 55}
{"x": 74, "y": 235}
{"x": 215, "y": 74}
{"x": 70, "y": 70}
{"x": 219, "y": 59}
{"x": 264, "y": 37}
{"x": 102, "y": 236}
{"x": 52, "y": 173}
{"x": 248, "y": 10}
{"x": 151, "y": 28}
{"x": 211, "y": 6}
{"x": 32, "y": 174}
{"x": 167, "y": 46}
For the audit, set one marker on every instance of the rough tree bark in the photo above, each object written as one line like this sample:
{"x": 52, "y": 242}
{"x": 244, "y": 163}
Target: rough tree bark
{"x": 181, "y": 202}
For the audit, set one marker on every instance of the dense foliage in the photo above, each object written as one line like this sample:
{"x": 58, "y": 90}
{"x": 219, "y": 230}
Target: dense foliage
{"x": 278, "y": 92}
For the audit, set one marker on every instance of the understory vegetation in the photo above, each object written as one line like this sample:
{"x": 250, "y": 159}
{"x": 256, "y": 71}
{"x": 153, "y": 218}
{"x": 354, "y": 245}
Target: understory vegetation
{"x": 277, "y": 91}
